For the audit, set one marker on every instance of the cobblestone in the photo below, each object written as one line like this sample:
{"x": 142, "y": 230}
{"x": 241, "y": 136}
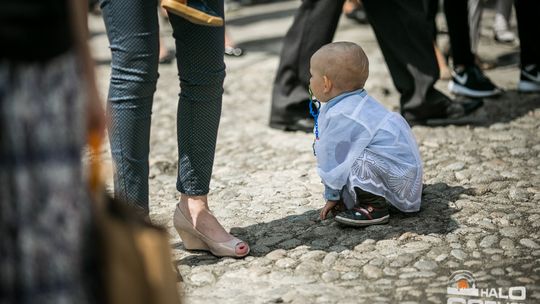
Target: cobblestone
{"x": 372, "y": 272}
{"x": 480, "y": 209}
{"x": 529, "y": 243}
{"x": 488, "y": 241}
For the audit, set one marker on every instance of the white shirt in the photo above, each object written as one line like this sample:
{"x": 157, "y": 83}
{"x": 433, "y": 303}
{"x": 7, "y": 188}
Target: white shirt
{"x": 361, "y": 144}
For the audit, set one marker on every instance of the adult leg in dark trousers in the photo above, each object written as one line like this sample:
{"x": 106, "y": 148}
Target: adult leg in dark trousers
{"x": 467, "y": 78}
{"x": 528, "y": 13}
{"x": 314, "y": 26}
{"x": 458, "y": 32}
{"x": 406, "y": 41}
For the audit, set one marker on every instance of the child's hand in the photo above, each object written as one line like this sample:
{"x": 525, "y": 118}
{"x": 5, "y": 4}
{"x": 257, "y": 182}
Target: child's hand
{"x": 330, "y": 205}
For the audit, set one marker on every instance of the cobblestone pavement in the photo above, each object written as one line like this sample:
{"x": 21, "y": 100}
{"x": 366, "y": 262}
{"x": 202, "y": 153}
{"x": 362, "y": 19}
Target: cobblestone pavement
{"x": 480, "y": 209}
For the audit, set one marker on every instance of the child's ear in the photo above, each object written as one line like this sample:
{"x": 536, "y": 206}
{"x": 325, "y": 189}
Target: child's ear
{"x": 327, "y": 84}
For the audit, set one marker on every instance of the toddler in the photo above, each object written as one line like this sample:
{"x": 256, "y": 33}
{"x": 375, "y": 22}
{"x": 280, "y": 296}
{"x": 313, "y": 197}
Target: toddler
{"x": 366, "y": 155}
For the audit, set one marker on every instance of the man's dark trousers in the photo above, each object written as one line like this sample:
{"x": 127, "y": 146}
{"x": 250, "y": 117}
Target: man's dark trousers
{"x": 314, "y": 25}
{"x": 406, "y": 41}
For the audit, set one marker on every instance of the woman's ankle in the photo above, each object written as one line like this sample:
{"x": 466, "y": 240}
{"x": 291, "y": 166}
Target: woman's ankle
{"x": 195, "y": 208}
{"x": 194, "y": 202}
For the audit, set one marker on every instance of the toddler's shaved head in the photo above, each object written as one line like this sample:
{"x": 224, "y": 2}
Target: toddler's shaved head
{"x": 345, "y": 63}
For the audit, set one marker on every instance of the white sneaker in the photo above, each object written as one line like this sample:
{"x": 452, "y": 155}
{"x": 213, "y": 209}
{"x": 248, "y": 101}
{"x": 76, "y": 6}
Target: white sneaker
{"x": 505, "y": 36}
{"x": 502, "y": 30}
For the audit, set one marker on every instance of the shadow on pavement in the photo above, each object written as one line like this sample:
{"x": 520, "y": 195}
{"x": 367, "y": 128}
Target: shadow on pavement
{"x": 93, "y": 34}
{"x": 269, "y": 45}
{"x": 307, "y": 230}
{"x": 507, "y": 59}
{"x": 508, "y": 107}
{"x": 102, "y": 61}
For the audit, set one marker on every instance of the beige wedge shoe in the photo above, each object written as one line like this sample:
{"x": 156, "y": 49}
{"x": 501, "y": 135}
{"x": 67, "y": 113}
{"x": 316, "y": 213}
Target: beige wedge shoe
{"x": 195, "y": 240}
{"x": 195, "y": 12}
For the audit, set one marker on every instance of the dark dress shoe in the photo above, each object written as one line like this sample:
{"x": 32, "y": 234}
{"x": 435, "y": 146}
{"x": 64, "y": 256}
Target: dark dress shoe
{"x": 456, "y": 113}
{"x": 302, "y": 124}
{"x": 459, "y": 109}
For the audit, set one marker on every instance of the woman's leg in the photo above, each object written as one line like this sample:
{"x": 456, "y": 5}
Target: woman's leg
{"x": 199, "y": 55}
{"x": 132, "y": 28}
{"x": 201, "y": 69}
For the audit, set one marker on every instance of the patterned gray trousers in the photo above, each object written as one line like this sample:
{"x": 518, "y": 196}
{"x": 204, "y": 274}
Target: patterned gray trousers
{"x": 133, "y": 31}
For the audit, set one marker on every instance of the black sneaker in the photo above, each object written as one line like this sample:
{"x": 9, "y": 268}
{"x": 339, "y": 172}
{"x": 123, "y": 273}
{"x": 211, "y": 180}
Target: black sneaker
{"x": 529, "y": 81}
{"x": 471, "y": 82}
{"x": 364, "y": 216}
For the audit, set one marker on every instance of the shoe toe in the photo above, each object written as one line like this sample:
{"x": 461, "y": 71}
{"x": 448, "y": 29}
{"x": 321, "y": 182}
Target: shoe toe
{"x": 242, "y": 249}
{"x": 505, "y": 36}
{"x": 471, "y": 105}
{"x": 462, "y": 108}
{"x": 349, "y": 214}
